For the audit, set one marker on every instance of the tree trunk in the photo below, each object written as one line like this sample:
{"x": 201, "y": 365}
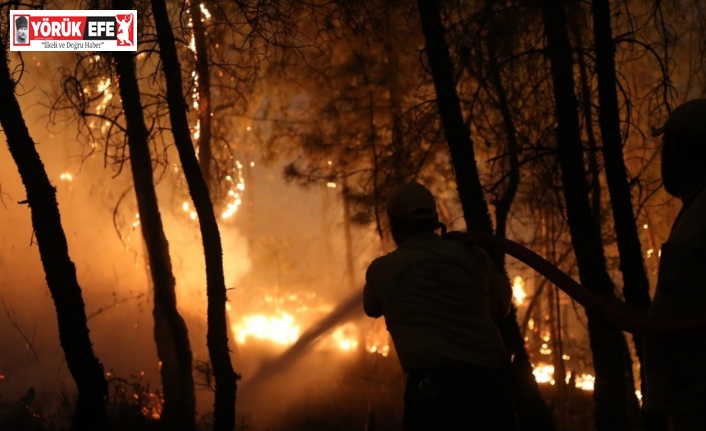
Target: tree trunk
{"x": 614, "y": 386}
{"x": 85, "y": 368}
{"x": 170, "y": 332}
{"x": 348, "y": 237}
{"x": 532, "y": 411}
{"x": 458, "y": 135}
{"x": 204, "y": 91}
{"x": 636, "y": 286}
{"x": 586, "y": 106}
{"x": 217, "y": 332}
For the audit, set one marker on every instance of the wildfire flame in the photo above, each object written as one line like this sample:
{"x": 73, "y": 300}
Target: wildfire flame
{"x": 518, "y": 290}
{"x": 287, "y": 316}
{"x": 544, "y": 373}
{"x": 279, "y": 328}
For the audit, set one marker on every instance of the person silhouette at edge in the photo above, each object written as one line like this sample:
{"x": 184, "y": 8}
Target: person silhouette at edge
{"x": 675, "y": 375}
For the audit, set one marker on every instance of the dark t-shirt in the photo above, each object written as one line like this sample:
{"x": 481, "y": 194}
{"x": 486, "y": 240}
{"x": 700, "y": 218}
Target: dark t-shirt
{"x": 675, "y": 364}
{"x": 434, "y": 295}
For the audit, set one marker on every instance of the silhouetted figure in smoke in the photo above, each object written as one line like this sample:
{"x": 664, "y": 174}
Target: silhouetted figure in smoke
{"x": 675, "y": 364}
{"x": 439, "y": 298}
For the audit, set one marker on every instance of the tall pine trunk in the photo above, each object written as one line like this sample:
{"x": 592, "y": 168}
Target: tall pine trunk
{"x": 217, "y": 332}
{"x": 531, "y": 409}
{"x": 170, "y": 332}
{"x": 614, "y": 388}
{"x": 85, "y": 368}
{"x": 458, "y": 135}
{"x": 586, "y": 105}
{"x": 636, "y": 286}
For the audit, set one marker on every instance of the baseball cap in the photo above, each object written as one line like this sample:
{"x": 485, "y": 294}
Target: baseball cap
{"x": 412, "y": 201}
{"x": 687, "y": 120}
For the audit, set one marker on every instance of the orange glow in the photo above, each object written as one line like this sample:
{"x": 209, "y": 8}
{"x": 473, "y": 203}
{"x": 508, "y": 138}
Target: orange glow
{"x": 282, "y": 319}
{"x": 544, "y": 373}
{"x": 518, "y": 290}
{"x": 278, "y": 328}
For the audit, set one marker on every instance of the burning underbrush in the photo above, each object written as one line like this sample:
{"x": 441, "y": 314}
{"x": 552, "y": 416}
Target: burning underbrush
{"x": 310, "y": 362}
{"x": 132, "y": 405}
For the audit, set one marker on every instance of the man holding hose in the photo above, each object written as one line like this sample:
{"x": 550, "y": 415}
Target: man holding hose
{"x": 440, "y": 298}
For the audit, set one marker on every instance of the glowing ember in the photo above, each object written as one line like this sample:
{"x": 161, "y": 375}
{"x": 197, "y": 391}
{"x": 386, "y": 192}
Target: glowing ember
{"x": 544, "y": 373}
{"x": 187, "y": 209}
{"x": 345, "y": 338}
{"x": 378, "y": 341}
{"x": 518, "y": 290}
{"x": 236, "y": 186}
{"x": 205, "y": 12}
{"x": 585, "y": 382}
{"x": 545, "y": 335}
{"x": 384, "y": 350}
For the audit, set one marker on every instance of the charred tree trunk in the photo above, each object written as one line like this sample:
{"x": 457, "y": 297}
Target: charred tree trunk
{"x": 586, "y": 104}
{"x": 204, "y": 91}
{"x": 611, "y": 359}
{"x": 348, "y": 236}
{"x": 84, "y": 366}
{"x": 217, "y": 332}
{"x": 458, "y": 135}
{"x": 636, "y": 286}
{"x": 531, "y": 409}
{"x": 170, "y": 332}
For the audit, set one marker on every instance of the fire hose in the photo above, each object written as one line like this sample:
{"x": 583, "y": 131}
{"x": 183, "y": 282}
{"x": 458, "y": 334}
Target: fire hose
{"x": 608, "y": 311}
{"x": 611, "y": 311}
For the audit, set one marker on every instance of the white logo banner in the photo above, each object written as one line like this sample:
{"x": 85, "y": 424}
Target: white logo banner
{"x": 73, "y": 30}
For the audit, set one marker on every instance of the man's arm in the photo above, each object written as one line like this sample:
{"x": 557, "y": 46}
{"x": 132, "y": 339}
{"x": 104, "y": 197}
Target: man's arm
{"x": 371, "y": 303}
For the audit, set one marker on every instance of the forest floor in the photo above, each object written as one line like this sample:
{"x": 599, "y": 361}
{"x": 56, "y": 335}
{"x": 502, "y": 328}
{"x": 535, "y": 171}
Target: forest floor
{"x": 367, "y": 396}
